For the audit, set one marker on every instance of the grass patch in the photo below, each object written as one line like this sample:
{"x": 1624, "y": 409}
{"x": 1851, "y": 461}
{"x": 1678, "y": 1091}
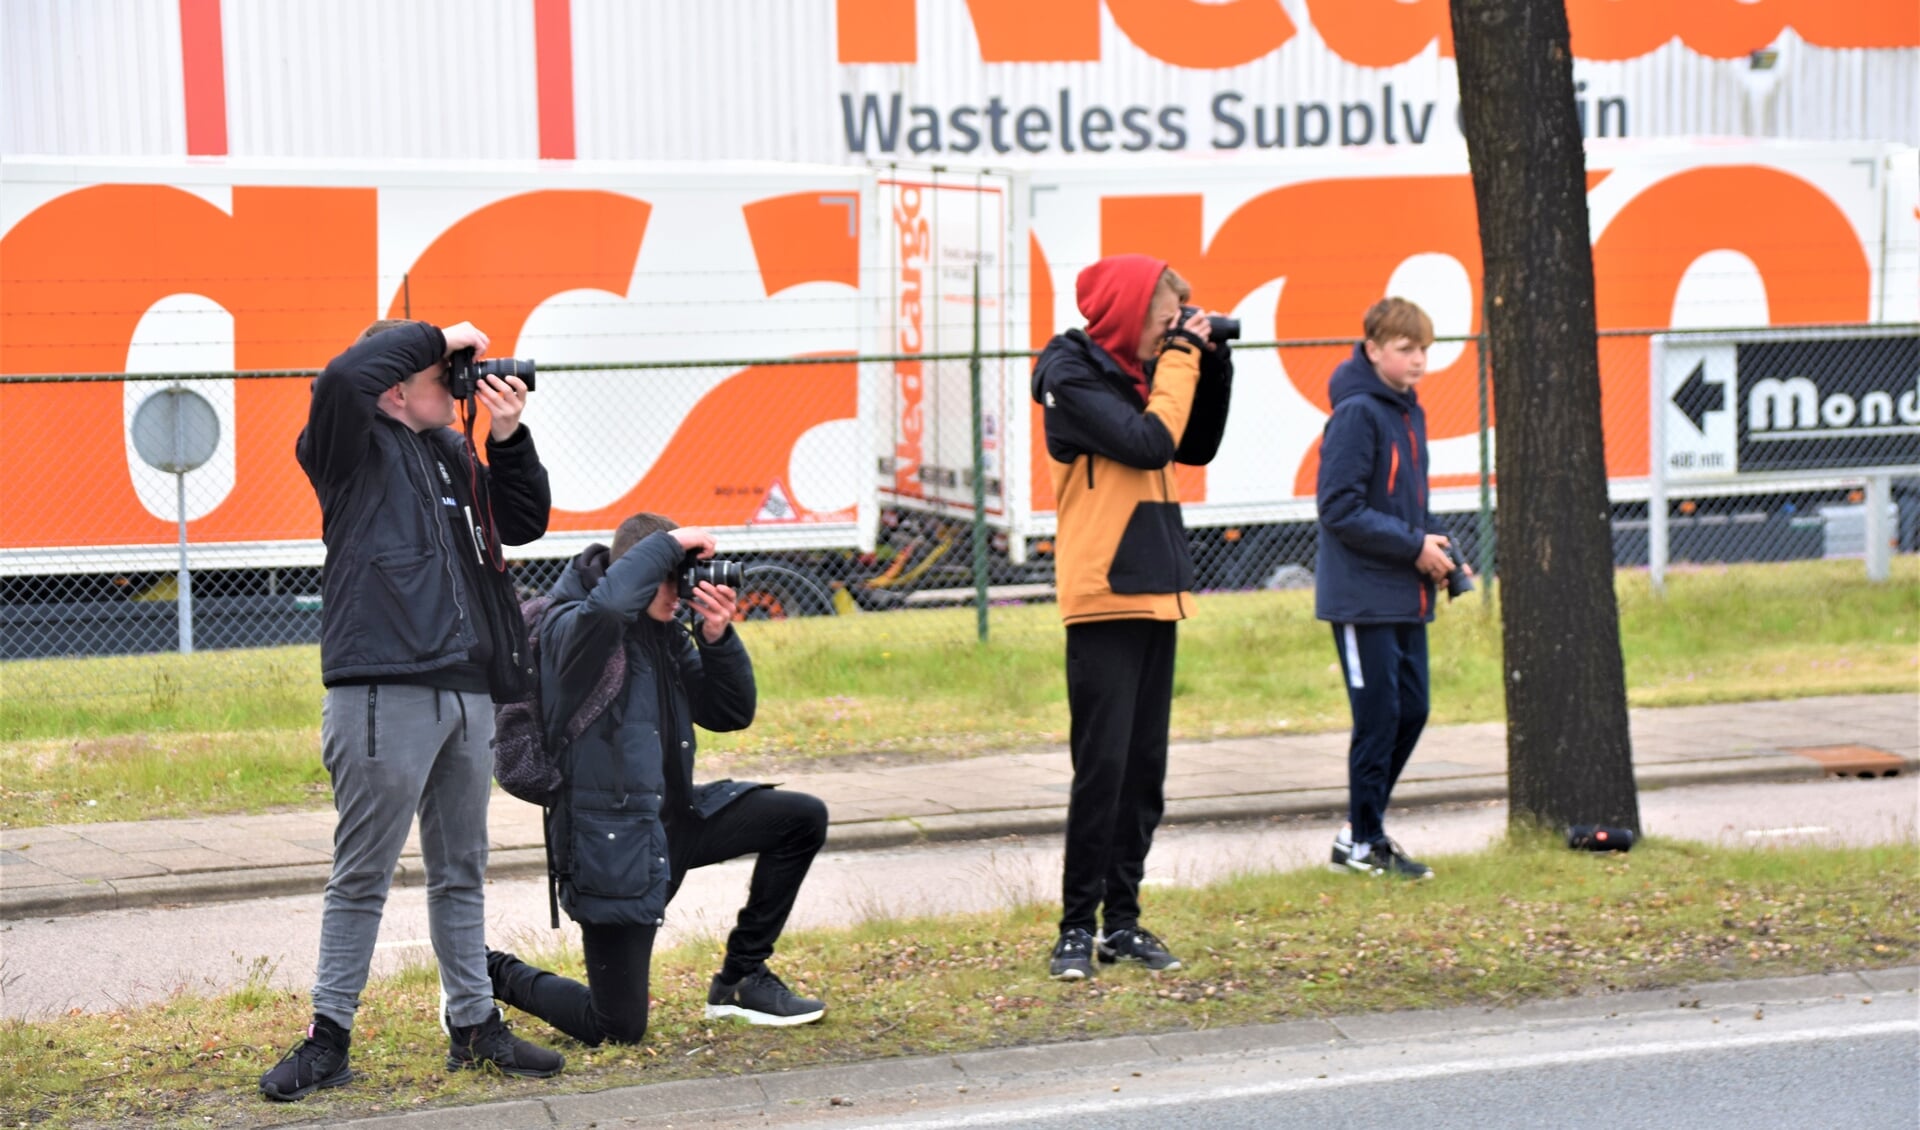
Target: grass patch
{"x": 1510, "y": 924}
{"x": 240, "y": 729}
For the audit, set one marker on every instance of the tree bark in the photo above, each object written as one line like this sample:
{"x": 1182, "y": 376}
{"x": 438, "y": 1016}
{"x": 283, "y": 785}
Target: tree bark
{"x": 1569, "y": 756}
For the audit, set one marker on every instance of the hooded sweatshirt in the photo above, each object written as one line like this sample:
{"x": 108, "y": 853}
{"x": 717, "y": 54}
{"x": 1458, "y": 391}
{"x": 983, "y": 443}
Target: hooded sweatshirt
{"x": 1372, "y": 494}
{"x": 1114, "y": 295}
{"x": 1120, "y": 550}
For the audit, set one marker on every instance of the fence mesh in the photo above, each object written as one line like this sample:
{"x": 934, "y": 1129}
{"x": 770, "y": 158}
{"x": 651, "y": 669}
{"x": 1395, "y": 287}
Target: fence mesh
{"x": 837, "y": 501}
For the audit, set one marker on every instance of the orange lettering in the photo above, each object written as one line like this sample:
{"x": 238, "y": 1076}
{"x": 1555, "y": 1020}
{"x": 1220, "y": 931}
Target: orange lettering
{"x": 1337, "y": 243}
{"x": 1369, "y": 33}
{"x": 1202, "y": 36}
{"x": 295, "y": 267}
{"x": 1020, "y": 31}
{"x": 742, "y": 432}
{"x": 877, "y": 31}
{"x": 500, "y": 262}
{"x": 1807, "y": 253}
{"x": 806, "y": 237}
{"x": 1381, "y": 33}
{"x": 1729, "y": 29}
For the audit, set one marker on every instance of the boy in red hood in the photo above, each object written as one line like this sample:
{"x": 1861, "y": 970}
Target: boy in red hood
{"x": 1124, "y": 400}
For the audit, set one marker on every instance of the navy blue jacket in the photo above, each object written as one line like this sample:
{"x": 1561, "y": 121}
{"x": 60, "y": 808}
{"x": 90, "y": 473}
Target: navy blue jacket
{"x": 1373, "y": 502}
{"x": 608, "y": 829}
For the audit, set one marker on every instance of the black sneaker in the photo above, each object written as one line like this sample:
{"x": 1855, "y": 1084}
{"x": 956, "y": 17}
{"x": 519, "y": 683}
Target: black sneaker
{"x": 1072, "y": 956}
{"x": 318, "y": 1061}
{"x": 1398, "y": 864}
{"x": 1137, "y": 945}
{"x": 490, "y": 1046}
{"x": 1388, "y": 858}
{"x": 761, "y": 998}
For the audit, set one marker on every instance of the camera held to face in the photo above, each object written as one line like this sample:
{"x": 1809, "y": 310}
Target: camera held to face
{"x": 1458, "y": 579}
{"x": 720, "y": 573}
{"x": 464, "y": 373}
{"x": 1218, "y": 328}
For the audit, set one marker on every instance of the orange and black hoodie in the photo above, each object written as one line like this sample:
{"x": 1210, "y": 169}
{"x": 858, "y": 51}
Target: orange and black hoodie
{"x": 1114, "y": 432}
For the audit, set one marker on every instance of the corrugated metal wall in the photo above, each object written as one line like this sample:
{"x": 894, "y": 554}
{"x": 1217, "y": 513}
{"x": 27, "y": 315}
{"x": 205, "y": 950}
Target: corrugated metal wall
{"x": 666, "y": 79}
{"x": 91, "y": 78}
{"x": 380, "y": 79}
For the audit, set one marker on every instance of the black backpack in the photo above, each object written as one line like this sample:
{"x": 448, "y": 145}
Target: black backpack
{"x": 526, "y": 758}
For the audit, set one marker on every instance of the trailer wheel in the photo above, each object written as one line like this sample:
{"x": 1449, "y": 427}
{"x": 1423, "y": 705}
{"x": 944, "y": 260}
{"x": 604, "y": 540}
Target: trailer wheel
{"x": 776, "y": 592}
{"x": 1288, "y": 576}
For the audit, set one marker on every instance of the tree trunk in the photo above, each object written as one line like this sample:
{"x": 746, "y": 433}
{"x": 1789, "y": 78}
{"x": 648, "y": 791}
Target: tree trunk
{"x": 1569, "y": 757}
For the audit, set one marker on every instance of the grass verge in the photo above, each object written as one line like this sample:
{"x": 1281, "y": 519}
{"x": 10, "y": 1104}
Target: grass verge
{"x": 1510, "y": 924}
{"x": 152, "y": 736}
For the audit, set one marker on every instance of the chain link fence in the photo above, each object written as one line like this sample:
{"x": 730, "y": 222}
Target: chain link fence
{"x": 166, "y": 512}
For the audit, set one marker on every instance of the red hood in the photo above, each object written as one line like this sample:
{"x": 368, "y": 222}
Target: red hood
{"x": 1114, "y": 295}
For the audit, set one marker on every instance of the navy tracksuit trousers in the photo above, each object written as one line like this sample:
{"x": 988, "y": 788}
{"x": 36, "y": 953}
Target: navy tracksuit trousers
{"x": 1386, "y": 671}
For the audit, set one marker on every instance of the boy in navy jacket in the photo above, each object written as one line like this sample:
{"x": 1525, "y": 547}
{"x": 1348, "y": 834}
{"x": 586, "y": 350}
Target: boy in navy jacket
{"x": 1381, "y": 553}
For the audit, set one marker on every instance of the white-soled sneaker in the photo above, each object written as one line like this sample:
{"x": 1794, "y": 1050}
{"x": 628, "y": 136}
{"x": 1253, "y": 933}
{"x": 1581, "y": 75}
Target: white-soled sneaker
{"x": 761, "y": 998}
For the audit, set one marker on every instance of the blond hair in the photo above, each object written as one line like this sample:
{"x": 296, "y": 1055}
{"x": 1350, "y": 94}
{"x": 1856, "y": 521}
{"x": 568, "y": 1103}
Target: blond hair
{"x": 1391, "y": 319}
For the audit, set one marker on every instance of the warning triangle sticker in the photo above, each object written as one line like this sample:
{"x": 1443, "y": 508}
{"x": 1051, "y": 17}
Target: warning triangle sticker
{"x": 776, "y": 507}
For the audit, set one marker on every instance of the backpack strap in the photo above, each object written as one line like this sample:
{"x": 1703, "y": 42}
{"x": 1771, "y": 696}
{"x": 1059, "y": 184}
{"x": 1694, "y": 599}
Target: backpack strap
{"x": 559, "y": 740}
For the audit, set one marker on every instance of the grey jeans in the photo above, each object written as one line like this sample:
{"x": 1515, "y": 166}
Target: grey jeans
{"x": 394, "y": 749}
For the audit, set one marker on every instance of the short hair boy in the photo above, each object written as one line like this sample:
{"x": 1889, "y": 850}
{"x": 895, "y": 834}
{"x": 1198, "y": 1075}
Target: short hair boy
{"x": 630, "y": 822}
{"x": 1382, "y": 551}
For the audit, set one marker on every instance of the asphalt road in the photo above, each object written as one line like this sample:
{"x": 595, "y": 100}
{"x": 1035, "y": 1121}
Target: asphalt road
{"x": 1824, "y": 1065}
{"x": 53, "y": 965}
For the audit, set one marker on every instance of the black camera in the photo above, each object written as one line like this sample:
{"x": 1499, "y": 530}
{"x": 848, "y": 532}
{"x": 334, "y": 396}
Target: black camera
{"x": 464, "y": 373}
{"x": 1218, "y": 328}
{"x": 717, "y": 571}
{"x": 1458, "y": 579}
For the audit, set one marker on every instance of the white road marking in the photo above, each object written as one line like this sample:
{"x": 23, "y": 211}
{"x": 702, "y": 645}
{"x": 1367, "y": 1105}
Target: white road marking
{"x": 1096, "y": 1107}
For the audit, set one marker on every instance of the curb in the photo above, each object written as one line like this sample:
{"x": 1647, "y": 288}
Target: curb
{"x": 740, "y": 1098}
{"x": 516, "y": 862}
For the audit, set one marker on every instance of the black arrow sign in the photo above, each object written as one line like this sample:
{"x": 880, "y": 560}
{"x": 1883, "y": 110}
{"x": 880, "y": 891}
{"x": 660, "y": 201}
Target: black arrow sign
{"x": 1698, "y": 396}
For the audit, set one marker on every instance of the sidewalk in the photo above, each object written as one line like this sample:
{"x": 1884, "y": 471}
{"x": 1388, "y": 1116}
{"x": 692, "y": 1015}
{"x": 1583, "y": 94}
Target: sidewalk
{"x": 80, "y": 868}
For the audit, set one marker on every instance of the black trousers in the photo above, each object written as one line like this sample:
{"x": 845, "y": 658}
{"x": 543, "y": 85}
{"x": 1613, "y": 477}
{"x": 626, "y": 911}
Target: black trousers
{"x": 1386, "y": 671}
{"x": 785, "y": 829}
{"x": 1119, "y": 692}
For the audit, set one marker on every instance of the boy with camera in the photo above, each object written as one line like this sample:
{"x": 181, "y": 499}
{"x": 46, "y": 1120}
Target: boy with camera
{"x": 629, "y": 822}
{"x": 419, "y": 637}
{"x": 1124, "y": 400}
{"x": 1381, "y": 553}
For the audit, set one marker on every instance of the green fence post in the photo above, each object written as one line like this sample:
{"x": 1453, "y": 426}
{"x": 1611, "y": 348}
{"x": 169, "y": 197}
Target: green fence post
{"x": 980, "y": 535}
{"x": 1485, "y": 564}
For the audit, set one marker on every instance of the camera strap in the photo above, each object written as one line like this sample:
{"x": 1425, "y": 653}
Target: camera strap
{"x": 482, "y": 497}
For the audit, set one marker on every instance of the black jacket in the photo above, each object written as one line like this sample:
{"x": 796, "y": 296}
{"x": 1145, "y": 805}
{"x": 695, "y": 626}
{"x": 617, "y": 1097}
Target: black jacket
{"x": 396, "y": 602}
{"x": 1373, "y": 502}
{"x": 608, "y": 831}
{"x": 1120, "y": 548}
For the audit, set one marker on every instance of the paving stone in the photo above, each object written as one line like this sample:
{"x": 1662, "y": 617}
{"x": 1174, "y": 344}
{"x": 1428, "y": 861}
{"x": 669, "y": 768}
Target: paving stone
{"x": 105, "y": 865}
{"x": 19, "y": 873}
{"x": 1019, "y": 793}
{"x": 125, "y": 838}
{"x": 189, "y": 860}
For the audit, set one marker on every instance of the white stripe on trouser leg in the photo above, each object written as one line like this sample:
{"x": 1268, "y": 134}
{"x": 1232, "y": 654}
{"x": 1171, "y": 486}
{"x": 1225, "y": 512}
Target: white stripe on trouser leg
{"x": 1355, "y": 678}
